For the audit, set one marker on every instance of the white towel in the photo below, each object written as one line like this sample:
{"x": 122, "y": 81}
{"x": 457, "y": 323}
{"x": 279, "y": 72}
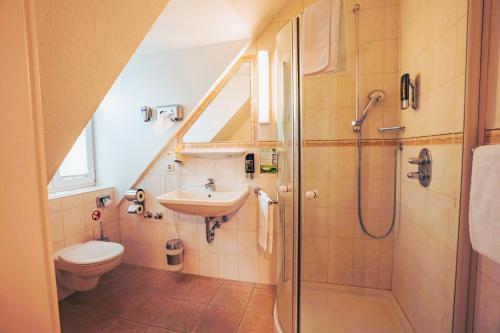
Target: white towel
{"x": 323, "y": 38}
{"x": 265, "y": 236}
{"x": 484, "y": 210}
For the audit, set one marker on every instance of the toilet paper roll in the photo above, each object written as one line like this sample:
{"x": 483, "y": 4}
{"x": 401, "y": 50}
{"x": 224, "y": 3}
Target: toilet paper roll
{"x": 135, "y": 194}
{"x": 135, "y": 209}
{"x": 108, "y": 202}
{"x": 163, "y": 123}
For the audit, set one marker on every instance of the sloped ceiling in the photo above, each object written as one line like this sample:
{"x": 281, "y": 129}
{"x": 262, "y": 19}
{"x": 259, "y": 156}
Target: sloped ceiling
{"x": 83, "y": 46}
{"x": 194, "y": 23}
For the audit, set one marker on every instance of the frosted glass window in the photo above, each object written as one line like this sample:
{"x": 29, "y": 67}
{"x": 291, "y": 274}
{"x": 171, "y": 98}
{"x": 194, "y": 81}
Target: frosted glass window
{"x": 77, "y": 169}
{"x": 76, "y": 163}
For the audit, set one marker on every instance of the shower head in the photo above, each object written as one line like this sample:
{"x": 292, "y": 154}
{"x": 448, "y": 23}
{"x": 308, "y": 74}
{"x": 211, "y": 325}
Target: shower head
{"x": 374, "y": 96}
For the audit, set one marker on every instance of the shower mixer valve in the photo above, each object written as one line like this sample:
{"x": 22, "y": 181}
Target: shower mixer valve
{"x": 424, "y": 162}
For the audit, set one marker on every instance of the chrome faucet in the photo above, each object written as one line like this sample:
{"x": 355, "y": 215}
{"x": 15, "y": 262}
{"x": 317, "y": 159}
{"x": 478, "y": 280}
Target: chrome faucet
{"x": 211, "y": 184}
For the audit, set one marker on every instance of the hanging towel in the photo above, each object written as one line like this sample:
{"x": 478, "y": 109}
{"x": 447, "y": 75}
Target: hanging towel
{"x": 484, "y": 210}
{"x": 323, "y": 38}
{"x": 265, "y": 236}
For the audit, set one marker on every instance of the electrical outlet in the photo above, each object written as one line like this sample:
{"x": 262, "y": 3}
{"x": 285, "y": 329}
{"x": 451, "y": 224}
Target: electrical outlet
{"x": 170, "y": 167}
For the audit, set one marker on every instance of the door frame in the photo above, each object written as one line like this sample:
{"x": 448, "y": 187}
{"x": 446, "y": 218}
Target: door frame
{"x": 474, "y": 115}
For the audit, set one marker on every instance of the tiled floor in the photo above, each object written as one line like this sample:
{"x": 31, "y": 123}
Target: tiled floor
{"x": 137, "y": 299}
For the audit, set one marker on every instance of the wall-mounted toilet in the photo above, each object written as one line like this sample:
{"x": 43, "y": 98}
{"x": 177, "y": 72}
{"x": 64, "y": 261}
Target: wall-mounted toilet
{"x": 79, "y": 267}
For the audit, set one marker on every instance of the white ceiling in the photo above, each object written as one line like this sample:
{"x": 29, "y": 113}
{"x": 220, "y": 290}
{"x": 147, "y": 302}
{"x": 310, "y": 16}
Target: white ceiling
{"x": 191, "y": 23}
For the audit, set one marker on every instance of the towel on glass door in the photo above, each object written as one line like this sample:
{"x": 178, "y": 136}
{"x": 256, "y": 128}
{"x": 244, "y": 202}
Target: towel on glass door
{"x": 265, "y": 235}
{"x": 484, "y": 209}
{"x": 323, "y": 38}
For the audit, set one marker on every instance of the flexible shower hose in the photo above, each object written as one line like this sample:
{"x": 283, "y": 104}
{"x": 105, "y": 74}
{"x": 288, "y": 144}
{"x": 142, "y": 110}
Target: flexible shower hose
{"x": 360, "y": 215}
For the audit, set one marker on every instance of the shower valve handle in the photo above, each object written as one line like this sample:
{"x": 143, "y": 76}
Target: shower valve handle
{"x": 418, "y": 160}
{"x": 415, "y": 175}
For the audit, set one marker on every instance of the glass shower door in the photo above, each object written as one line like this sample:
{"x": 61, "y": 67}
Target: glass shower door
{"x": 287, "y": 97}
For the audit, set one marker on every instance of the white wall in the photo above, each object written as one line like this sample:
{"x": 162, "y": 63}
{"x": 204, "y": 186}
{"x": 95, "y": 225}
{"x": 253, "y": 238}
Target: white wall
{"x": 124, "y": 144}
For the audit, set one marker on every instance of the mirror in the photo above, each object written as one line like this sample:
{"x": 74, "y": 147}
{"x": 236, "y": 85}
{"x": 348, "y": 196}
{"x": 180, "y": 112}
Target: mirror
{"x": 228, "y": 117}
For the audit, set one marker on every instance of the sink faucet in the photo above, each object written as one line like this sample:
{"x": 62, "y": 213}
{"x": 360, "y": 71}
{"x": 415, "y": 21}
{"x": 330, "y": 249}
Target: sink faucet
{"x": 211, "y": 184}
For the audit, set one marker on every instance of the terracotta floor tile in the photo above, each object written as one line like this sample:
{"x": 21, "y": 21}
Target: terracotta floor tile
{"x": 200, "y": 289}
{"x": 125, "y": 326}
{"x": 180, "y": 315}
{"x": 156, "y": 329}
{"x": 114, "y": 301}
{"x": 219, "y": 319}
{"x": 253, "y": 322}
{"x": 232, "y": 295}
{"x": 262, "y": 301}
{"x": 170, "y": 285}
{"x": 137, "y": 299}
{"x": 146, "y": 307}
{"x": 124, "y": 276}
{"x": 88, "y": 299}
{"x": 76, "y": 321}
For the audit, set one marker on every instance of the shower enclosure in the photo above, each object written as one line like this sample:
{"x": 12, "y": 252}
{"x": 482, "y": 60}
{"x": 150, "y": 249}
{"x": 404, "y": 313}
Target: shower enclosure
{"x": 362, "y": 246}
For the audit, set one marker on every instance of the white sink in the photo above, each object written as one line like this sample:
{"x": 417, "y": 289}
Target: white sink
{"x": 196, "y": 200}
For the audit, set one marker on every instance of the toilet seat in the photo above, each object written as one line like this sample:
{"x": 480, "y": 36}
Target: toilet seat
{"x": 90, "y": 253}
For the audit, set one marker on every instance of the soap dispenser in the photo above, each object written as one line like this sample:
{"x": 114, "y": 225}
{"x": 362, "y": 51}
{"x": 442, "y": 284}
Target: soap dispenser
{"x": 250, "y": 165}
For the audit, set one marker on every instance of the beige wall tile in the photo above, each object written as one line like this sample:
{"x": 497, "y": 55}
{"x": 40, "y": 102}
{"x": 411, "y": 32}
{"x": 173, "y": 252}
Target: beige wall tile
{"x": 340, "y": 252}
{"x": 56, "y": 226}
{"x": 228, "y": 267}
{"x": 315, "y": 250}
{"x": 316, "y": 221}
{"x": 365, "y": 277}
{"x": 342, "y": 222}
{"x": 209, "y": 264}
{"x": 340, "y": 275}
{"x": 315, "y": 272}
{"x": 248, "y": 269}
{"x": 316, "y": 162}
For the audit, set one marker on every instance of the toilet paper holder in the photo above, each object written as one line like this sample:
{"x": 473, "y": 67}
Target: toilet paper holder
{"x": 103, "y": 200}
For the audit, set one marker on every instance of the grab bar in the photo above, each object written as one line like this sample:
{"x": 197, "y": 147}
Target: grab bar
{"x": 391, "y": 129}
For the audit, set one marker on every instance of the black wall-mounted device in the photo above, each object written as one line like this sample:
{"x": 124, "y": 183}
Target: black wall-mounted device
{"x": 250, "y": 165}
{"x": 405, "y": 91}
{"x": 406, "y": 87}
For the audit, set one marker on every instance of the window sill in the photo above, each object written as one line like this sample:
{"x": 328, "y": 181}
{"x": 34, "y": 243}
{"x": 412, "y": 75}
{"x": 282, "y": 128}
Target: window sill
{"x": 68, "y": 193}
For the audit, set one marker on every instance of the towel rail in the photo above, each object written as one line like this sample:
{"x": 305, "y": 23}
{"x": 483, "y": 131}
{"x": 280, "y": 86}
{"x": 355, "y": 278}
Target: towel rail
{"x": 258, "y": 190}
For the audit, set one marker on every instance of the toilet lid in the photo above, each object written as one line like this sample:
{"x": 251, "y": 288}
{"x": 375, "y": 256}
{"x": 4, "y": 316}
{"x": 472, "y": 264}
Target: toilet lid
{"x": 91, "y": 252}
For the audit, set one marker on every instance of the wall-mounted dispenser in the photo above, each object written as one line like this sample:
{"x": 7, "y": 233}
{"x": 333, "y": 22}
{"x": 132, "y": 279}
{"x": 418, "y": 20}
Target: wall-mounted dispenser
{"x": 174, "y": 111}
{"x": 166, "y": 116}
{"x": 146, "y": 113}
{"x": 250, "y": 165}
{"x": 408, "y": 87}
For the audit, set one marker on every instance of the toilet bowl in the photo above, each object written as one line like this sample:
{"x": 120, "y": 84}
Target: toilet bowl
{"x": 79, "y": 267}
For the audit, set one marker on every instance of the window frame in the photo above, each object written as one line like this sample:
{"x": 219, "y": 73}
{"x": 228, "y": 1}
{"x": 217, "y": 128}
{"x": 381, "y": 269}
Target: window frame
{"x": 59, "y": 183}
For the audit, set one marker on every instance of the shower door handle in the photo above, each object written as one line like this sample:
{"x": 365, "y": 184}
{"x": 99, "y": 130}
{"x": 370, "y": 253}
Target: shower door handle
{"x": 284, "y": 188}
{"x": 312, "y": 194}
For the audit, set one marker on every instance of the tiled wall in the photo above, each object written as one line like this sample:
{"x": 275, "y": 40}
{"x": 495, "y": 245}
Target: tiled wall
{"x": 433, "y": 39}
{"x": 487, "y": 302}
{"x": 71, "y": 222}
{"x": 234, "y": 254}
{"x": 335, "y": 249}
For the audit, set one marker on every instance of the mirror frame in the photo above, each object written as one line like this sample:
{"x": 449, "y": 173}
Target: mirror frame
{"x": 202, "y": 106}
